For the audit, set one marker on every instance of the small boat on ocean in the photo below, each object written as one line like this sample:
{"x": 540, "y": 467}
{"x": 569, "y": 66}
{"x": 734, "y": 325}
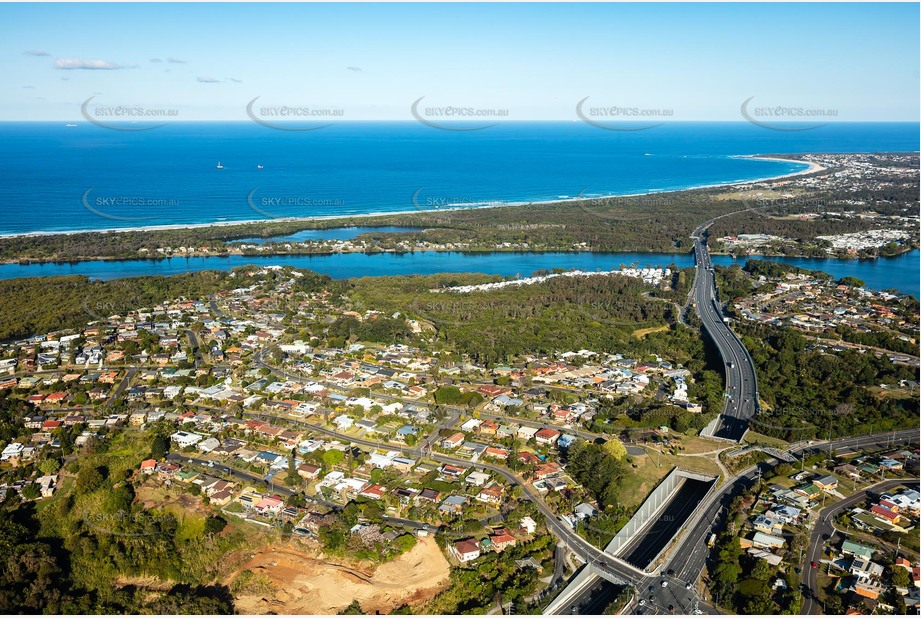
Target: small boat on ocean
{"x": 70, "y": 125}
{"x": 258, "y": 167}
{"x": 219, "y": 166}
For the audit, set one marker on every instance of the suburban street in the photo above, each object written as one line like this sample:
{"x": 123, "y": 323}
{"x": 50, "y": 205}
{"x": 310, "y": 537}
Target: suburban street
{"x": 825, "y": 530}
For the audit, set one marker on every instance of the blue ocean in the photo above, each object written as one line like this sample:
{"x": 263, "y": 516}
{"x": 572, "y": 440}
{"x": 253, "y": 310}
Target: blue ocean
{"x": 85, "y": 177}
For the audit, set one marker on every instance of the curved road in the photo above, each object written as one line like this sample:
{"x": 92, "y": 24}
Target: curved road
{"x": 739, "y": 370}
{"x": 824, "y": 530}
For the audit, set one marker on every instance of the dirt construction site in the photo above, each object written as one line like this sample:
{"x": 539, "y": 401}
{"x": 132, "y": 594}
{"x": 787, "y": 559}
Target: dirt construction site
{"x": 298, "y": 582}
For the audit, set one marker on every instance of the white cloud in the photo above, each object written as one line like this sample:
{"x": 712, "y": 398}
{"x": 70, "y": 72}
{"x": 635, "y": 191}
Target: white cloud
{"x": 208, "y": 80}
{"x": 89, "y": 65}
{"x": 175, "y": 61}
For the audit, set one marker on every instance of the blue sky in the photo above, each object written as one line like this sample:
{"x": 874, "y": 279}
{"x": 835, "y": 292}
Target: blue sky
{"x": 535, "y": 60}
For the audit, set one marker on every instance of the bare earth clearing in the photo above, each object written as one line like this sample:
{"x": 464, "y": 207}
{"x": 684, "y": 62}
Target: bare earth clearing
{"x": 306, "y": 584}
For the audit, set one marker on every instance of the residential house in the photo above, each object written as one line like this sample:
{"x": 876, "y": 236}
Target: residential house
{"x": 491, "y": 494}
{"x": 848, "y": 470}
{"x": 496, "y": 453}
{"x": 526, "y": 433}
{"x": 343, "y": 422}
{"x": 270, "y": 505}
{"x": 429, "y": 495}
{"x": 546, "y": 436}
{"x": 166, "y": 470}
{"x": 375, "y": 492}
{"x": 767, "y": 525}
{"x": 808, "y": 490}
{"x": 784, "y": 513}
{"x": 452, "y": 470}
{"x": 477, "y": 478}
{"x": 183, "y": 439}
{"x": 465, "y": 550}
{"x": 866, "y": 587}
{"x": 308, "y": 471}
{"x": 546, "y": 470}
{"x": 502, "y": 540}
{"x": 888, "y": 515}
{"x": 453, "y": 441}
{"x": 767, "y": 541}
{"x": 850, "y": 548}
{"x": 528, "y": 525}
{"x": 862, "y": 567}
{"x": 453, "y": 505}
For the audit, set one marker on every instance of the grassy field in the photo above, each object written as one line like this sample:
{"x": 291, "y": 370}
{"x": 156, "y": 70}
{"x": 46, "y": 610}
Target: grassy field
{"x": 652, "y": 468}
{"x": 642, "y": 332}
{"x": 753, "y": 437}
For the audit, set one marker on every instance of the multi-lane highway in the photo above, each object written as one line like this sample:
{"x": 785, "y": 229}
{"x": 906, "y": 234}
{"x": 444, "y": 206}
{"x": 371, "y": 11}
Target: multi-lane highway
{"x": 738, "y": 369}
{"x": 687, "y": 559}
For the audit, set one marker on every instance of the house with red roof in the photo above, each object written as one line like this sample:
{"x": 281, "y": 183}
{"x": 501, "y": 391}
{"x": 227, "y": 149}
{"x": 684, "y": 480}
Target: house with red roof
{"x": 886, "y": 514}
{"x": 491, "y": 494}
{"x": 546, "y": 470}
{"x": 375, "y": 492}
{"x": 56, "y": 398}
{"x": 466, "y": 550}
{"x": 148, "y": 466}
{"x": 502, "y": 540}
{"x": 546, "y": 436}
{"x": 270, "y": 505}
{"x": 528, "y": 458}
{"x": 495, "y": 451}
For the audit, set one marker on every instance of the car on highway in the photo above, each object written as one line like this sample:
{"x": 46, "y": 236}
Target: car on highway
{"x": 688, "y": 586}
{"x": 664, "y": 584}
{"x": 642, "y": 602}
{"x": 814, "y": 565}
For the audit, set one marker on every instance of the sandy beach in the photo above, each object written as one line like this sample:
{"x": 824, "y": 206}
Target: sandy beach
{"x": 810, "y": 169}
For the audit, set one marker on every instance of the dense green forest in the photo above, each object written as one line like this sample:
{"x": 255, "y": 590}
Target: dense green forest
{"x": 82, "y": 551}
{"x": 809, "y": 393}
{"x": 599, "y": 313}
